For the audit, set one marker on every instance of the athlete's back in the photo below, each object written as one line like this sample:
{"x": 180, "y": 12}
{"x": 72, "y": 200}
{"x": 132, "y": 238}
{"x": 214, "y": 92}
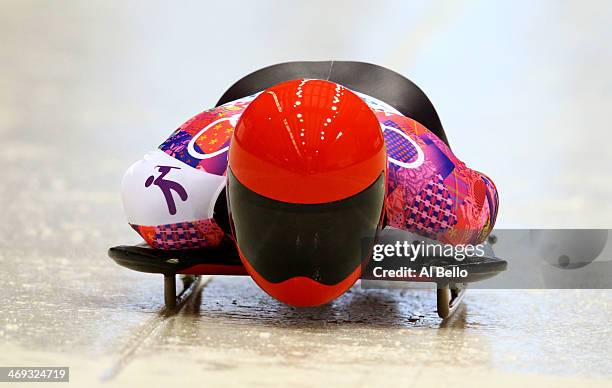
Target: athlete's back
{"x": 174, "y": 198}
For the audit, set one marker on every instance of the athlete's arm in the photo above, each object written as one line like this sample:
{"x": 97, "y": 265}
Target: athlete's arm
{"x": 170, "y": 195}
{"x": 430, "y": 191}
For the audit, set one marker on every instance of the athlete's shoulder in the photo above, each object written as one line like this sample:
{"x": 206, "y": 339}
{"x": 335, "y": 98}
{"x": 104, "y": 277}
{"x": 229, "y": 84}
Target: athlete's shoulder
{"x": 202, "y": 142}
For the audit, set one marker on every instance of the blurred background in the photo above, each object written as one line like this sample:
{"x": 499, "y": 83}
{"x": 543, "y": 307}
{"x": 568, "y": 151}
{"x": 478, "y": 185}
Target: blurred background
{"x": 87, "y": 87}
{"x": 523, "y": 88}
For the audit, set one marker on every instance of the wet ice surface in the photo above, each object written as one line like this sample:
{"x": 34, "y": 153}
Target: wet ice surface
{"x": 502, "y": 330}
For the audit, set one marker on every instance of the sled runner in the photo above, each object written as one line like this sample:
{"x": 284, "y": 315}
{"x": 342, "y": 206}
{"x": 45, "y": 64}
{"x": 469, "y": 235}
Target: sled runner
{"x": 225, "y": 261}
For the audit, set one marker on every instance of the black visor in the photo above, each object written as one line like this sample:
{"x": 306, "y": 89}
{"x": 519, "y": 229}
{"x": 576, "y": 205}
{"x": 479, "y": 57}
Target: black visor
{"x": 323, "y": 242}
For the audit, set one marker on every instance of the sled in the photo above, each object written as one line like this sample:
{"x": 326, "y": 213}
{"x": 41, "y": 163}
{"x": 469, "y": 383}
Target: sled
{"x": 373, "y": 80}
{"x": 224, "y": 260}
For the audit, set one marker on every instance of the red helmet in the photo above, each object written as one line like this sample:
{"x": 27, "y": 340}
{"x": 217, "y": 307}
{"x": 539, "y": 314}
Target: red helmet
{"x": 306, "y": 187}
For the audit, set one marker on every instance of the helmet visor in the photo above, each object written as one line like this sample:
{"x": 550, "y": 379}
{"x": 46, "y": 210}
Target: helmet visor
{"x": 324, "y": 242}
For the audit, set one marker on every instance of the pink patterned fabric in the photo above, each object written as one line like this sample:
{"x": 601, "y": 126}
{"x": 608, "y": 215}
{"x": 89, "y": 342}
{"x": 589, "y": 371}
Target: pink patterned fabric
{"x": 435, "y": 195}
{"x": 429, "y": 190}
{"x": 183, "y": 235}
